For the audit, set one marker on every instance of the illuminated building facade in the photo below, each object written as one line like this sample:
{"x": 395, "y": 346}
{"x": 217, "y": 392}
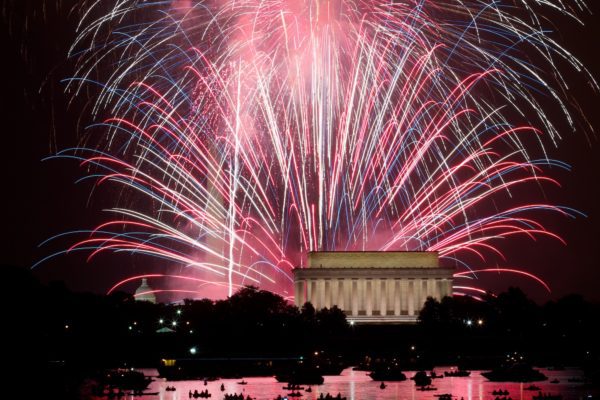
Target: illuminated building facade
{"x": 377, "y": 287}
{"x": 145, "y": 293}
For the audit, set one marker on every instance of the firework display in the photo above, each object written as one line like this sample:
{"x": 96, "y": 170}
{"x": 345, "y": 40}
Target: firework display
{"x": 245, "y": 133}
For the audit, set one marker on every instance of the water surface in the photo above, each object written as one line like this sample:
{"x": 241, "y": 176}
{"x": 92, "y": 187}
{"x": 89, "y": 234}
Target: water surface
{"x": 356, "y": 385}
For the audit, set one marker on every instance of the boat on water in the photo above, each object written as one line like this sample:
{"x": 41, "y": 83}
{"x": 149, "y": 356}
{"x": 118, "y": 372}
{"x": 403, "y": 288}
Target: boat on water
{"x": 547, "y": 396}
{"x": 204, "y": 394}
{"x": 460, "y": 373}
{"x": 434, "y": 375}
{"x": 421, "y": 379}
{"x": 532, "y": 387}
{"x": 293, "y": 387}
{"x": 388, "y": 374}
{"x": 515, "y": 373}
{"x": 426, "y": 388}
{"x": 125, "y": 379}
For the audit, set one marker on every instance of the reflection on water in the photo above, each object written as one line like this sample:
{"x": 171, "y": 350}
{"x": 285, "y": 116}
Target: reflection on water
{"x": 356, "y": 385}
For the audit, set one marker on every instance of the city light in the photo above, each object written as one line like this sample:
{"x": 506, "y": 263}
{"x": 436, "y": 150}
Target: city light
{"x": 193, "y": 350}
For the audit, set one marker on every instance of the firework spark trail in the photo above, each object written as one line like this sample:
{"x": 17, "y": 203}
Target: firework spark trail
{"x": 265, "y": 129}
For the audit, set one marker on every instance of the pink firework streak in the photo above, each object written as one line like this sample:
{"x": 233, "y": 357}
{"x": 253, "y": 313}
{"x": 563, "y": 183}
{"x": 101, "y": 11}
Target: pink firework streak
{"x": 254, "y": 132}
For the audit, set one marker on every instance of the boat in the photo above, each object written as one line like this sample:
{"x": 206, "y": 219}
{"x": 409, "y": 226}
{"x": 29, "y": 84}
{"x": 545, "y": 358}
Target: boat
{"x": 460, "y": 373}
{"x": 444, "y": 396}
{"x": 421, "y": 379}
{"x": 554, "y": 381}
{"x": 434, "y": 375}
{"x": 547, "y": 396}
{"x": 294, "y": 394}
{"x": 308, "y": 389}
{"x": 515, "y": 373}
{"x": 426, "y": 388}
{"x": 125, "y": 379}
{"x": 500, "y": 392}
{"x": 382, "y": 386}
{"x": 532, "y": 387}
{"x": 388, "y": 374}
{"x": 293, "y": 387}
{"x": 202, "y": 394}
{"x": 328, "y": 396}
{"x": 242, "y": 383}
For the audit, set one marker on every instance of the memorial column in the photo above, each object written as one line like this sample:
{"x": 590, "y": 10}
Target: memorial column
{"x": 300, "y": 293}
{"x": 411, "y": 297}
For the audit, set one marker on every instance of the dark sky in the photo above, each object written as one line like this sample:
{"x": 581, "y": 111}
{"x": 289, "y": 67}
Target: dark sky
{"x": 40, "y": 199}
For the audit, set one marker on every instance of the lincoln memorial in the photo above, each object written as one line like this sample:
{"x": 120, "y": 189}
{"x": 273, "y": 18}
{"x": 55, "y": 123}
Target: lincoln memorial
{"x": 373, "y": 286}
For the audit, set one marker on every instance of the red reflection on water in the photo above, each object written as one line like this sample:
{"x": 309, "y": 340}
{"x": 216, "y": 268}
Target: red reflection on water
{"x": 356, "y": 385}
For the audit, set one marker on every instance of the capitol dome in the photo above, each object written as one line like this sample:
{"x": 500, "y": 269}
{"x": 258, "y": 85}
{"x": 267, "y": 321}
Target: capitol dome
{"x": 144, "y": 292}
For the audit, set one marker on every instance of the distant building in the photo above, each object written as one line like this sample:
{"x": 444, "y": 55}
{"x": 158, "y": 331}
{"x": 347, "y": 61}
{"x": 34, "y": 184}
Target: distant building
{"x": 145, "y": 292}
{"x": 377, "y": 287}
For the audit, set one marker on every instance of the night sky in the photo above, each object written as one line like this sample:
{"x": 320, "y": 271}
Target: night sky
{"x": 41, "y": 199}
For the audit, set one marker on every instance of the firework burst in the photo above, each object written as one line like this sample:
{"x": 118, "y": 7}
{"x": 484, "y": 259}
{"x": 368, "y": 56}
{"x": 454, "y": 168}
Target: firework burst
{"x": 250, "y": 132}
